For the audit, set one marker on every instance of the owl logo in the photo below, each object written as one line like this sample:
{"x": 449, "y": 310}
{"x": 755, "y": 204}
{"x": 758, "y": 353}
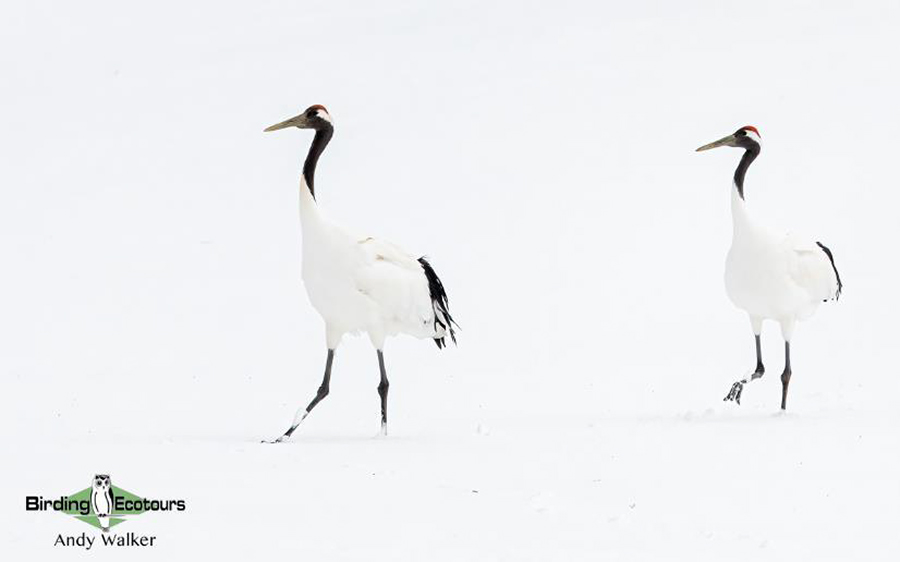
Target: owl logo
{"x": 102, "y": 499}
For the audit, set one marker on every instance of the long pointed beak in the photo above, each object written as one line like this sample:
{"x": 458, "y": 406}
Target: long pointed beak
{"x": 725, "y": 141}
{"x": 298, "y": 121}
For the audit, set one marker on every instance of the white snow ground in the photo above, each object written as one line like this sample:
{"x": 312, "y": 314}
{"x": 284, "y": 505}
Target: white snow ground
{"x": 152, "y": 323}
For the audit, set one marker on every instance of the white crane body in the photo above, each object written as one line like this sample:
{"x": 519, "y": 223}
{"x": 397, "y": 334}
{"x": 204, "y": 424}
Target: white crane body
{"x": 772, "y": 275}
{"x": 360, "y": 283}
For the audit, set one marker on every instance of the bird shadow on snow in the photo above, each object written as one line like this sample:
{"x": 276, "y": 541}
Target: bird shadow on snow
{"x": 339, "y": 439}
{"x": 737, "y": 415}
{"x": 733, "y": 414}
{"x": 262, "y": 440}
{"x": 722, "y": 413}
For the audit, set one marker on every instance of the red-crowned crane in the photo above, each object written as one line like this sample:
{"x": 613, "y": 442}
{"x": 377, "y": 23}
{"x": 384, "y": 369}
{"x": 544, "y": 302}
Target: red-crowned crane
{"x": 769, "y": 275}
{"x": 360, "y": 283}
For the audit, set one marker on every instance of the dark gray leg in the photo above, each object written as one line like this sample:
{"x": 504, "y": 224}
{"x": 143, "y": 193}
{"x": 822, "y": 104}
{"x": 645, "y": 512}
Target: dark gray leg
{"x": 760, "y": 369}
{"x": 738, "y": 387}
{"x": 320, "y": 395}
{"x": 786, "y": 375}
{"x": 383, "y": 387}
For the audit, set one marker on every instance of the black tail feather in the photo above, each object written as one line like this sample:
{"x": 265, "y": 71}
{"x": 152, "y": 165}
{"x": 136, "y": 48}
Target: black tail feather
{"x": 828, "y": 253}
{"x": 440, "y": 304}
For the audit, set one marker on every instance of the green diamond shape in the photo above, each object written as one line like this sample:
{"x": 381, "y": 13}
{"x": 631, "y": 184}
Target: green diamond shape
{"x": 91, "y": 519}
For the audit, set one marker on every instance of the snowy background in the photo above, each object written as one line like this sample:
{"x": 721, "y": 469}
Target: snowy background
{"x": 153, "y": 324}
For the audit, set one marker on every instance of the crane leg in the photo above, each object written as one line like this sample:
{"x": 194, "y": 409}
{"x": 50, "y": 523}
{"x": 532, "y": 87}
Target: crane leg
{"x": 760, "y": 368}
{"x": 383, "y": 387}
{"x": 320, "y": 395}
{"x": 786, "y": 375}
{"x": 738, "y": 387}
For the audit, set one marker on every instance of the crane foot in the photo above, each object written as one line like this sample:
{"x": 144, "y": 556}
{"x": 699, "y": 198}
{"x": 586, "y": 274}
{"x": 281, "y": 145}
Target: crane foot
{"x": 735, "y": 392}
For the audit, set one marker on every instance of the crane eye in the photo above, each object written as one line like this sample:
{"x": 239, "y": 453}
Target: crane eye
{"x": 742, "y": 133}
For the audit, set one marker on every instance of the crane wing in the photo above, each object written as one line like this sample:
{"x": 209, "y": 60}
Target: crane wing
{"x": 397, "y": 283}
{"x": 811, "y": 266}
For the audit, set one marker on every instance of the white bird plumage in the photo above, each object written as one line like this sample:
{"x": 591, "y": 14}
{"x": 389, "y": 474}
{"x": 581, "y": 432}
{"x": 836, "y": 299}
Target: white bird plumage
{"x": 363, "y": 284}
{"x": 771, "y": 276}
{"x": 775, "y": 276}
{"x": 360, "y": 283}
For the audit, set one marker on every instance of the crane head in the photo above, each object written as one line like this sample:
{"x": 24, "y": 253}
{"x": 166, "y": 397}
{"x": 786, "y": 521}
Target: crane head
{"x": 315, "y": 117}
{"x": 745, "y": 137}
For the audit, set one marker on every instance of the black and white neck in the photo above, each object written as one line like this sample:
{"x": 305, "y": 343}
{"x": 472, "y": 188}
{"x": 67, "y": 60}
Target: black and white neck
{"x": 315, "y": 117}
{"x": 320, "y": 141}
{"x": 748, "y": 139}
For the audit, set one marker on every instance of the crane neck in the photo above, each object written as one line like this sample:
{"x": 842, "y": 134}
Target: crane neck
{"x": 749, "y": 156}
{"x": 320, "y": 141}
